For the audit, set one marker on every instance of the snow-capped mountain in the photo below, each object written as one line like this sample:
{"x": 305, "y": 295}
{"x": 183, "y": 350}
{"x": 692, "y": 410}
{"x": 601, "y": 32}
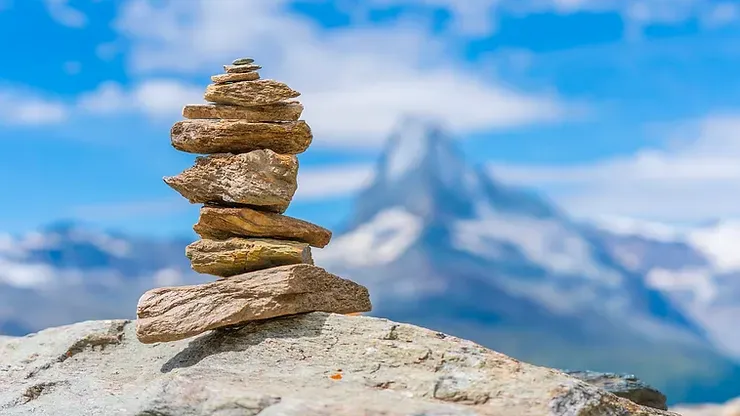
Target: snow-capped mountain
{"x": 697, "y": 267}
{"x": 440, "y": 243}
{"x": 67, "y": 273}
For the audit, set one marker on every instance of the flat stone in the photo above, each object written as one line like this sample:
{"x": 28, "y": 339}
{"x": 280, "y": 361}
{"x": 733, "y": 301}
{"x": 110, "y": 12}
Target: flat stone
{"x": 244, "y": 76}
{"x": 288, "y": 111}
{"x": 226, "y": 258}
{"x": 223, "y": 223}
{"x": 234, "y": 69}
{"x": 239, "y": 136}
{"x": 243, "y": 61}
{"x": 261, "y": 178}
{"x": 248, "y": 93}
{"x": 174, "y": 313}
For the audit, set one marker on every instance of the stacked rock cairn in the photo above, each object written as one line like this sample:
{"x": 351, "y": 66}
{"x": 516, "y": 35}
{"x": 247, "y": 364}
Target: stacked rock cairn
{"x": 250, "y": 134}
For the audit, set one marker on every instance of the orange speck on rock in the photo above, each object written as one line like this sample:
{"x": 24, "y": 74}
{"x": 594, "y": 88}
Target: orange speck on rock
{"x": 336, "y": 376}
{"x": 354, "y": 314}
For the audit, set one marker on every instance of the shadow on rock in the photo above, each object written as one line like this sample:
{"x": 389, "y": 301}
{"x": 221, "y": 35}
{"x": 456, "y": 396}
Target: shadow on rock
{"x": 242, "y": 337}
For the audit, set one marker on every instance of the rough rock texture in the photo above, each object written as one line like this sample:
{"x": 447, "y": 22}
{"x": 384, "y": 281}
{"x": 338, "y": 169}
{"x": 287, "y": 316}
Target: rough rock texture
{"x": 244, "y": 76}
{"x": 627, "y": 386}
{"x": 288, "y": 111}
{"x": 308, "y": 365}
{"x": 239, "y": 136}
{"x": 239, "y": 69}
{"x": 248, "y": 93}
{"x": 260, "y": 178}
{"x": 241, "y": 255}
{"x": 218, "y": 223}
{"x": 170, "y": 314}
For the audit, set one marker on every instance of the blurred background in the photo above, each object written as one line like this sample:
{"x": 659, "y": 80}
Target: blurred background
{"x": 554, "y": 179}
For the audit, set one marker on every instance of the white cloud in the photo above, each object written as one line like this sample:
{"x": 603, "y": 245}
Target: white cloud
{"x": 333, "y": 181}
{"x": 692, "y": 181}
{"x": 355, "y": 82}
{"x": 154, "y": 97}
{"x": 63, "y": 13}
{"x": 21, "y": 107}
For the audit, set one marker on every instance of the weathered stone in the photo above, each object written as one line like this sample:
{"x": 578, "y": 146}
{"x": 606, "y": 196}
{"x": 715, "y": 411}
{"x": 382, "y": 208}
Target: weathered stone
{"x": 236, "y": 69}
{"x": 242, "y": 61}
{"x": 286, "y": 111}
{"x": 261, "y": 178}
{"x": 225, "y": 258}
{"x": 239, "y": 136}
{"x": 222, "y": 223}
{"x": 623, "y": 385}
{"x": 248, "y": 93}
{"x": 170, "y": 314}
{"x": 238, "y": 77}
{"x": 314, "y": 364}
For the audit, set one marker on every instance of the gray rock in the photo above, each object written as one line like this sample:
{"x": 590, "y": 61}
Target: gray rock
{"x": 242, "y": 61}
{"x": 289, "y": 367}
{"x": 261, "y": 178}
{"x": 624, "y": 385}
{"x": 237, "y": 69}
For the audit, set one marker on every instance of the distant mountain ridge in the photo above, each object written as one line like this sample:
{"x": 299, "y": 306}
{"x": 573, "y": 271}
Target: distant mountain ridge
{"x": 439, "y": 244}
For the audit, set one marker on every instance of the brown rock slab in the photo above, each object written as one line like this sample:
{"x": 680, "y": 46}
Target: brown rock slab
{"x": 174, "y": 313}
{"x": 239, "y": 136}
{"x": 261, "y": 178}
{"x": 226, "y": 258}
{"x": 287, "y": 111}
{"x": 237, "y": 77}
{"x": 240, "y": 69}
{"x": 218, "y": 223}
{"x": 248, "y": 93}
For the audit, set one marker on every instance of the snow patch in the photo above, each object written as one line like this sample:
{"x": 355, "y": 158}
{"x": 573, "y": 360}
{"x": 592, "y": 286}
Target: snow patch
{"x": 381, "y": 240}
{"x": 625, "y": 226}
{"x": 547, "y": 243}
{"x": 719, "y": 244}
{"x": 697, "y": 282}
{"x": 409, "y": 150}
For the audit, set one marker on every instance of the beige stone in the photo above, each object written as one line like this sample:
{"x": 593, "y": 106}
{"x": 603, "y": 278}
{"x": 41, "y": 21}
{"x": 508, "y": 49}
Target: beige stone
{"x": 240, "y": 69}
{"x": 261, "y": 178}
{"x": 225, "y": 258}
{"x": 170, "y": 314}
{"x": 239, "y": 136}
{"x": 249, "y": 93}
{"x": 285, "y": 111}
{"x": 222, "y": 223}
{"x": 236, "y": 77}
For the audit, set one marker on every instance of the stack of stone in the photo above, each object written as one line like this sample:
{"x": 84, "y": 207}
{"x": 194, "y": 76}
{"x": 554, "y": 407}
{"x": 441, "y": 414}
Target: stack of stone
{"x": 250, "y": 135}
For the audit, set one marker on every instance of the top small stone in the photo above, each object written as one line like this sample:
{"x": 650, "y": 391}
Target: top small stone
{"x": 243, "y": 61}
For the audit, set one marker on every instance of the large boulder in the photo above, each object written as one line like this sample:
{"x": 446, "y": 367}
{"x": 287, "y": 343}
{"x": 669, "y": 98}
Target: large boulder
{"x": 304, "y": 365}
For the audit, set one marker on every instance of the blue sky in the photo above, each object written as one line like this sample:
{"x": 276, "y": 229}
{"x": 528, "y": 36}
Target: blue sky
{"x": 613, "y": 108}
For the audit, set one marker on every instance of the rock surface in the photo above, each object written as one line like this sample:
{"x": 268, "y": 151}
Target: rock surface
{"x": 308, "y": 365}
{"x": 261, "y": 178}
{"x": 225, "y": 258}
{"x": 238, "y": 77}
{"x": 242, "y": 61}
{"x": 627, "y": 386}
{"x": 170, "y": 314}
{"x": 218, "y": 223}
{"x": 248, "y": 93}
{"x": 238, "y": 69}
{"x": 240, "y": 136}
{"x": 287, "y": 111}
